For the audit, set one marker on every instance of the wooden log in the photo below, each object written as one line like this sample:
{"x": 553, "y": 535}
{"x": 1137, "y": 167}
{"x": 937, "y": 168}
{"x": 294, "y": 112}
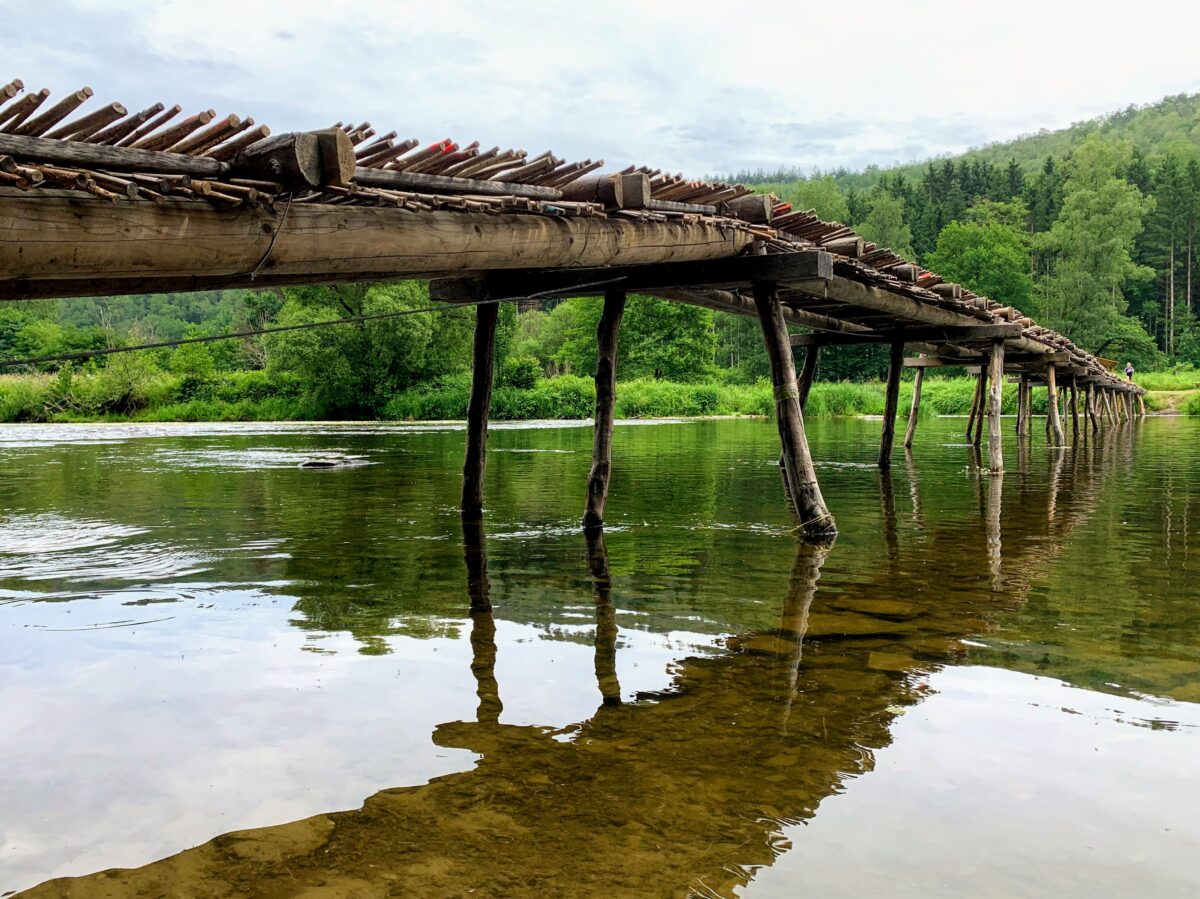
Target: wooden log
{"x": 948, "y": 290}
{"x": 891, "y": 402}
{"x": 915, "y": 410}
{"x": 607, "y": 334}
{"x": 478, "y": 408}
{"x": 294, "y": 160}
{"x": 65, "y": 244}
{"x": 98, "y": 156}
{"x": 976, "y": 409}
{"x": 636, "y": 190}
{"x": 1074, "y": 403}
{"x": 743, "y": 271}
{"x": 1055, "y": 423}
{"x": 337, "y": 157}
{"x": 915, "y": 334}
{"x": 655, "y": 205}
{"x": 443, "y": 184}
{"x": 608, "y": 190}
{"x": 1141, "y": 406}
{"x": 40, "y": 124}
{"x": 808, "y": 373}
{"x": 151, "y": 126}
{"x": 124, "y": 127}
{"x": 15, "y": 114}
{"x": 1022, "y": 384}
{"x": 845, "y": 246}
{"x": 1089, "y": 405}
{"x": 816, "y": 523}
{"x": 754, "y": 208}
{"x": 995, "y": 399}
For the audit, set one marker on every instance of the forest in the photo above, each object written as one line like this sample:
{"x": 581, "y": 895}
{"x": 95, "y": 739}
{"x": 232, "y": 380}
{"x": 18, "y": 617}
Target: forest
{"x": 1091, "y": 230}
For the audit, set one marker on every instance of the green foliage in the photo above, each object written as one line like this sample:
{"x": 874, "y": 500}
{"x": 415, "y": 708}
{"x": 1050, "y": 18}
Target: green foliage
{"x": 665, "y": 340}
{"x": 520, "y": 371}
{"x": 819, "y": 192}
{"x": 1192, "y": 406}
{"x": 1092, "y": 244}
{"x": 990, "y": 257}
{"x": 1181, "y": 377}
{"x": 353, "y": 370}
{"x": 885, "y": 224}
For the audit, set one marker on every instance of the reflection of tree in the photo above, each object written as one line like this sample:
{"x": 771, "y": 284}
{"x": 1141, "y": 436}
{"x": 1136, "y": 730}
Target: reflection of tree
{"x": 748, "y": 741}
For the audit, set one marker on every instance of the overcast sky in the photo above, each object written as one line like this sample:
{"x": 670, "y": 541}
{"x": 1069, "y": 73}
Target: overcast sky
{"x": 699, "y": 87}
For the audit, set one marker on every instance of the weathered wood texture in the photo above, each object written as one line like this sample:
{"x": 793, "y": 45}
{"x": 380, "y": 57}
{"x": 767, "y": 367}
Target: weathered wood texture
{"x": 815, "y": 521}
{"x": 914, "y": 410}
{"x": 444, "y": 184}
{"x": 1053, "y": 421}
{"x": 915, "y": 334}
{"x": 478, "y": 408}
{"x": 891, "y": 403}
{"x": 743, "y": 271}
{"x": 117, "y": 159}
{"x": 607, "y": 334}
{"x": 808, "y": 374}
{"x": 995, "y": 399}
{"x": 1074, "y": 403}
{"x": 71, "y": 246}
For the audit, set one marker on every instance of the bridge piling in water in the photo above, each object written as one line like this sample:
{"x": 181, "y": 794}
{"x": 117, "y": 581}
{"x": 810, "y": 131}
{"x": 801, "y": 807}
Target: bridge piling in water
{"x": 607, "y": 334}
{"x": 1053, "y": 422}
{"x": 479, "y": 408}
{"x": 815, "y": 521}
{"x": 995, "y": 400}
{"x": 915, "y": 409}
{"x": 891, "y": 403}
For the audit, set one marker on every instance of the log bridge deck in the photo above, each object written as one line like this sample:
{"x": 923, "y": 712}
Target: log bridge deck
{"x": 107, "y": 202}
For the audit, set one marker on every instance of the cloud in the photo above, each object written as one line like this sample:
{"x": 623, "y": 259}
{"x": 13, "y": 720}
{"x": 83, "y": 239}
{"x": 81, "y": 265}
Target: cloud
{"x": 697, "y": 86}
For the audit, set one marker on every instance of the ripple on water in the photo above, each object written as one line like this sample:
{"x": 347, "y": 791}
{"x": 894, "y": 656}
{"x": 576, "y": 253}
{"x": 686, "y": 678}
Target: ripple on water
{"x": 53, "y": 547}
{"x": 260, "y": 458}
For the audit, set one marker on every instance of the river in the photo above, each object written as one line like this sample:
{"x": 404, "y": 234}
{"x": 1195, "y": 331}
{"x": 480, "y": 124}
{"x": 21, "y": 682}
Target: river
{"x": 227, "y": 675}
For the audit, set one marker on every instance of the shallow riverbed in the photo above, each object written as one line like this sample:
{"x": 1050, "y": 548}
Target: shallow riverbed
{"x": 989, "y": 686}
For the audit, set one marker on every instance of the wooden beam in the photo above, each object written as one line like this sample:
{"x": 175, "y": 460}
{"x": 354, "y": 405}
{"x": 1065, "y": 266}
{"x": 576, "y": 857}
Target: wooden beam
{"x": 607, "y": 333}
{"x": 815, "y": 521}
{"x": 808, "y": 373}
{"x": 742, "y": 271}
{"x": 97, "y": 156}
{"x": 654, "y": 205}
{"x": 891, "y": 402}
{"x": 59, "y": 243}
{"x": 1054, "y": 422}
{"x": 995, "y": 397}
{"x": 444, "y": 184}
{"x": 478, "y": 408}
{"x": 914, "y": 410}
{"x": 913, "y": 335}
{"x": 1013, "y": 362}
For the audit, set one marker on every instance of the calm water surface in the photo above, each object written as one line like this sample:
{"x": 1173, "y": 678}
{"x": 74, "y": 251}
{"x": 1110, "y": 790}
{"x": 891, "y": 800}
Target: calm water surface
{"x": 222, "y": 675}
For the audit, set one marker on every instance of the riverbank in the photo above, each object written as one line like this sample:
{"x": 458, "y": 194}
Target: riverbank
{"x": 107, "y": 395}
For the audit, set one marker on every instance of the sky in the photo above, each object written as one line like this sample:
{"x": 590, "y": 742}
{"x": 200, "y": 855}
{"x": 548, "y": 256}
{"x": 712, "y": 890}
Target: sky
{"x": 697, "y": 87}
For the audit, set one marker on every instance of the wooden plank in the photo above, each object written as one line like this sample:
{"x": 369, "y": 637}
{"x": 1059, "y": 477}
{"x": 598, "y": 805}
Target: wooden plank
{"x": 62, "y": 243}
{"x": 117, "y": 159}
{"x": 444, "y": 184}
{"x": 914, "y": 410}
{"x": 742, "y": 271}
{"x": 913, "y": 335}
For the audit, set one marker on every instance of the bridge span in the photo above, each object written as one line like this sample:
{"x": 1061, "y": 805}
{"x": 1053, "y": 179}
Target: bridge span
{"x": 105, "y": 202}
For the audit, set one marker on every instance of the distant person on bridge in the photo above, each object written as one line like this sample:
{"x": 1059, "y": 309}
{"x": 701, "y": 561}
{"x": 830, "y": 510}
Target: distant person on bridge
{"x": 1129, "y": 371}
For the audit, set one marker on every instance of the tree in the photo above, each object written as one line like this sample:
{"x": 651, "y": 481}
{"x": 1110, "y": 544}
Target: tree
{"x": 665, "y": 340}
{"x": 990, "y": 255}
{"x": 885, "y": 224}
{"x": 819, "y": 192}
{"x": 1091, "y": 243}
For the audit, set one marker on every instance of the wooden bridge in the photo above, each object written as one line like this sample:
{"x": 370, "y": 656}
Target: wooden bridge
{"x": 107, "y": 202}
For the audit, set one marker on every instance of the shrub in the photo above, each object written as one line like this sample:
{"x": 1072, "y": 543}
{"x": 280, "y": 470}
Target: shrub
{"x": 522, "y": 372}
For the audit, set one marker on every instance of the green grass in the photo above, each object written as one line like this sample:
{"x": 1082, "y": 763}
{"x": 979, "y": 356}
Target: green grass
{"x": 1179, "y": 378}
{"x": 272, "y": 396}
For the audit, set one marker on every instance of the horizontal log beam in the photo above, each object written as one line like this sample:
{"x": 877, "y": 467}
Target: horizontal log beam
{"x": 653, "y": 205}
{"x": 912, "y": 335}
{"x": 736, "y": 304}
{"x": 1010, "y": 360}
{"x": 59, "y": 244}
{"x": 743, "y": 271}
{"x": 444, "y": 184}
{"x": 118, "y": 159}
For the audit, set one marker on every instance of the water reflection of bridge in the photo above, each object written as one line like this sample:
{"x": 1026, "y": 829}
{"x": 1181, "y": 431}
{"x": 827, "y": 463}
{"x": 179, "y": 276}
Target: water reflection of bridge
{"x": 753, "y": 739}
